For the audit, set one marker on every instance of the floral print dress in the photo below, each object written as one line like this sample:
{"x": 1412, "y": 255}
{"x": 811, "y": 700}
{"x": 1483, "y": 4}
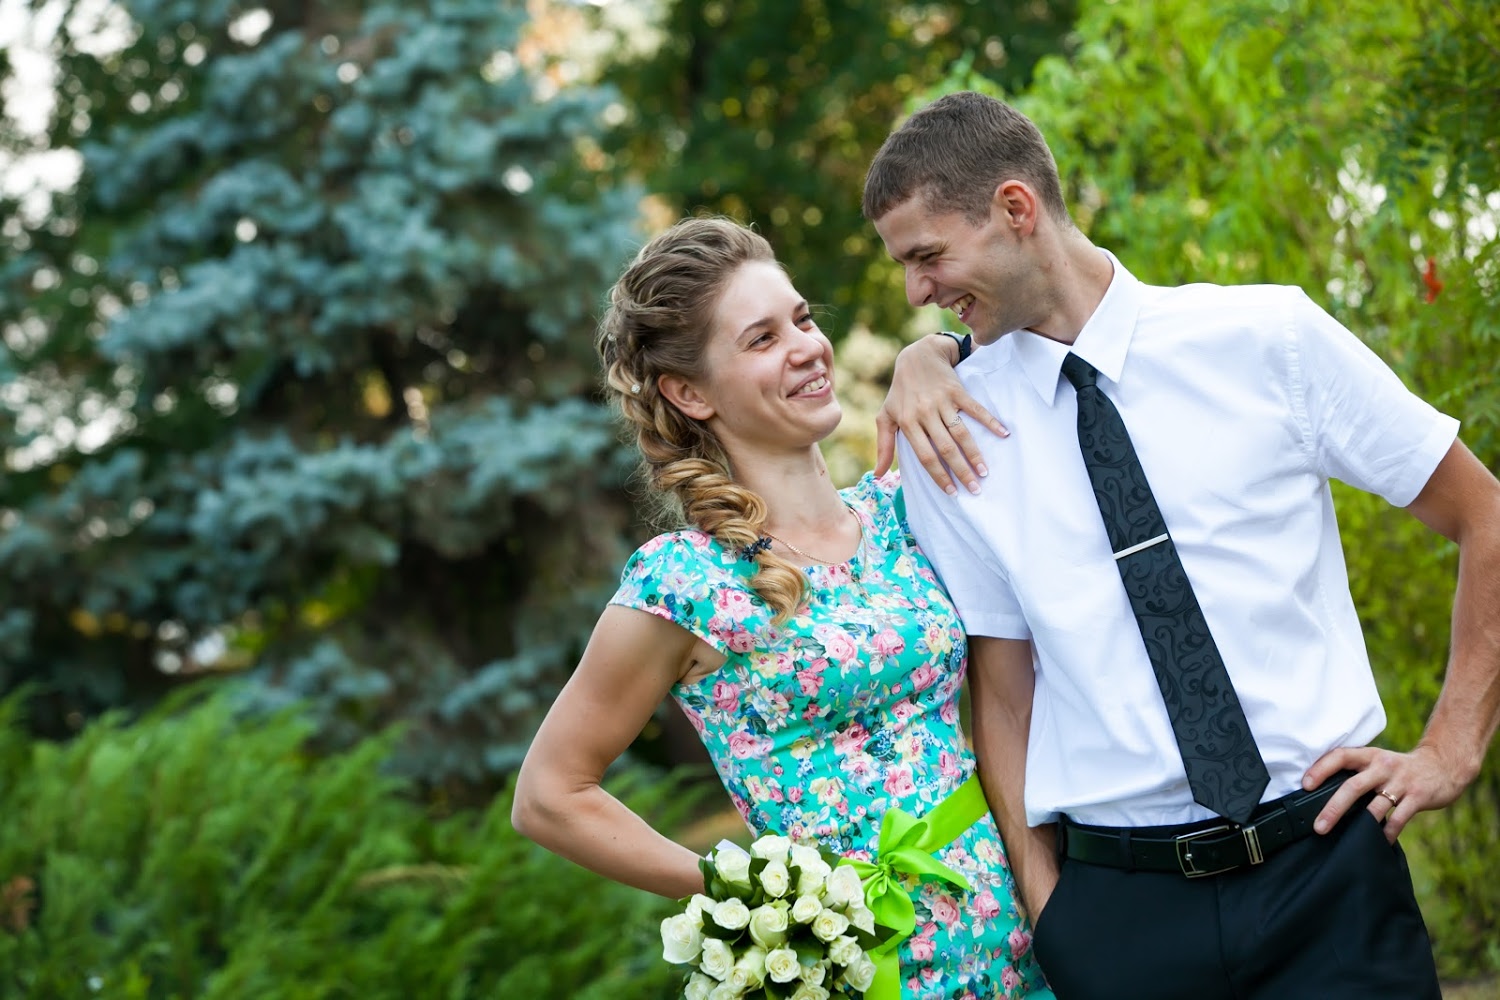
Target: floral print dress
{"x": 820, "y": 725}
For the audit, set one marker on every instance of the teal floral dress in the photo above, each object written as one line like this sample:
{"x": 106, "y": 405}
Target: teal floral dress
{"x": 820, "y": 725}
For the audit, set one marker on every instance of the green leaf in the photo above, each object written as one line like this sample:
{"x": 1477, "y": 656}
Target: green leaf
{"x": 810, "y": 951}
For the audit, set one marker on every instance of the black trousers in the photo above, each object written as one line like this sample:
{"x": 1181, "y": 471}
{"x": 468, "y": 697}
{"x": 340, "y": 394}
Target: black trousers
{"x": 1325, "y": 918}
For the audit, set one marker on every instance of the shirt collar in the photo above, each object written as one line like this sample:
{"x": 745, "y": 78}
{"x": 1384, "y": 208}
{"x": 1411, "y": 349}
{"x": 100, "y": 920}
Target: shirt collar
{"x": 1103, "y": 342}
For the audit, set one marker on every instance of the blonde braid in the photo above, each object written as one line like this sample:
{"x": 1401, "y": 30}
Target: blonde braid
{"x": 657, "y": 322}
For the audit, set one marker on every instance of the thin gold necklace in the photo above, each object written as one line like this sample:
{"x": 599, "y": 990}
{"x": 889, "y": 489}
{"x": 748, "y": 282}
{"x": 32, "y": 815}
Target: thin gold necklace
{"x": 826, "y": 562}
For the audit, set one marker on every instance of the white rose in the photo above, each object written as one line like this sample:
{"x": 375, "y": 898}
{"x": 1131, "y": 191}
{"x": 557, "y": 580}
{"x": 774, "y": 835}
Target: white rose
{"x": 725, "y": 992}
{"x": 698, "y": 987}
{"x": 772, "y": 848}
{"x": 813, "y": 877}
{"x": 862, "y": 918}
{"x": 815, "y": 974}
{"x": 807, "y": 991}
{"x": 845, "y": 950}
{"x": 861, "y": 974}
{"x": 733, "y": 865}
{"x": 749, "y": 972}
{"x": 843, "y": 887}
{"x": 806, "y": 909}
{"x": 828, "y": 925}
{"x": 718, "y": 959}
{"x": 775, "y": 879}
{"x": 681, "y": 939}
{"x": 699, "y": 905}
{"x": 782, "y": 965}
{"x": 768, "y": 925}
{"x": 731, "y": 914}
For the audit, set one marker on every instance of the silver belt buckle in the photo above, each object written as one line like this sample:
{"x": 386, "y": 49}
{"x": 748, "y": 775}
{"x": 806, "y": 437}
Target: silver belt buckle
{"x": 1185, "y": 849}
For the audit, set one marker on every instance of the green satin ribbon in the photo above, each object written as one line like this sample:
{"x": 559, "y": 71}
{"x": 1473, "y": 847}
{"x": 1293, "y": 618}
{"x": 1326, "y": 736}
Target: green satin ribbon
{"x": 907, "y": 846}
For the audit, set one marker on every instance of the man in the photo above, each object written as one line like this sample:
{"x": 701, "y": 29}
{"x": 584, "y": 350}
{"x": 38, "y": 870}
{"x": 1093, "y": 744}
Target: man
{"x": 1165, "y": 656}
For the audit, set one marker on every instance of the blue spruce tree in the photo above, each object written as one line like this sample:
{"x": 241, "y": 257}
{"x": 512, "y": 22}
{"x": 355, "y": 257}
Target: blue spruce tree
{"x": 298, "y": 378}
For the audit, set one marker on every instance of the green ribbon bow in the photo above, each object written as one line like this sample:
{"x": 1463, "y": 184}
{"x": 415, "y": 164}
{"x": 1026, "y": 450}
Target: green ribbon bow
{"x": 907, "y": 845}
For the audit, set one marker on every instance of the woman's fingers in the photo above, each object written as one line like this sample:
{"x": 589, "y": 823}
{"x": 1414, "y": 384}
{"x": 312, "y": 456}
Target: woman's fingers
{"x": 956, "y": 447}
{"x": 968, "y": 404}
{"x": 939, "y": 437}
{"x": 929, "y": 454}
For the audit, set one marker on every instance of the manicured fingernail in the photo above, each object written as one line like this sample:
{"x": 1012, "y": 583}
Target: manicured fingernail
{"x": 974, "y": 488}
{"x": 1003, "y": 432}
{"x": 951, "y": 490}
{"x": 984, "y": 470}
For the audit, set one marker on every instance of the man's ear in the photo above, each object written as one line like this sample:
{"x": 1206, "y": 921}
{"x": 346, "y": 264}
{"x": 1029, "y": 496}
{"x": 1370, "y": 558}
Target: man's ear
{"x": 685, "y": 396}
{"x": 1017, "y": 206}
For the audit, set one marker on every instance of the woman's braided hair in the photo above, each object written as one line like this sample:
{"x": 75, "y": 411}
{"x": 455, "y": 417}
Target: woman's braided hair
{"x": 660, "y": 316}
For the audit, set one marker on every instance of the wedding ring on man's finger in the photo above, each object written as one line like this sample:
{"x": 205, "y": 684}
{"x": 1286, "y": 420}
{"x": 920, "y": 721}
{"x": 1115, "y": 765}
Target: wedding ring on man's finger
{"x": 1395, "y": 800}
{"x": 957, "y": 419}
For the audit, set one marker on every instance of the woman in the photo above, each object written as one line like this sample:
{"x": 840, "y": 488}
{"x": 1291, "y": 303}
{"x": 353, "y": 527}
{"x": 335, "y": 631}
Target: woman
{"x": 797, "y": 625}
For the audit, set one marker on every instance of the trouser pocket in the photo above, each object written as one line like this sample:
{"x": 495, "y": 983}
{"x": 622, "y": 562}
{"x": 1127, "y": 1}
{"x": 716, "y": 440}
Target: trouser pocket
{"x": 1052, "y": 915}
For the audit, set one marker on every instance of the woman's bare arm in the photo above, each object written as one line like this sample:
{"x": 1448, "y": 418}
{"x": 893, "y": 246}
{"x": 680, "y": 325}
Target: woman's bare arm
{"x": 631, "y": 662}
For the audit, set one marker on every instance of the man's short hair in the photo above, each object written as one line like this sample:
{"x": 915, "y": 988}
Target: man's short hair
{"x": 955, "y": 152}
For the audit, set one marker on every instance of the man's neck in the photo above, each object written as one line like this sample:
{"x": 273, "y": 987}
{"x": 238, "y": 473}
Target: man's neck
{"x": 1077, "y": 275}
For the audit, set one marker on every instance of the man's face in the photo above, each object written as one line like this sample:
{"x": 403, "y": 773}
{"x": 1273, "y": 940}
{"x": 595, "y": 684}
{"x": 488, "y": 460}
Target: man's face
{"x": 979, "y": 271}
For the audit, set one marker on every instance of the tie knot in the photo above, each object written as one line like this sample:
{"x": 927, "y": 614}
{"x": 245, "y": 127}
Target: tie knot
{"x": 1079, "y": 372}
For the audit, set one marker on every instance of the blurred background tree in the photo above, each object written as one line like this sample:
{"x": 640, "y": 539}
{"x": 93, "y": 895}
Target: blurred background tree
{"x": 770, "y": 112}
{"x": 299, "y": 376}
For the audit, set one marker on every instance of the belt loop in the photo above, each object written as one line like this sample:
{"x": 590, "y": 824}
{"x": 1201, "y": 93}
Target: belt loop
{"x": 1062, "y": 840}
{"x": 1127, "y": 856}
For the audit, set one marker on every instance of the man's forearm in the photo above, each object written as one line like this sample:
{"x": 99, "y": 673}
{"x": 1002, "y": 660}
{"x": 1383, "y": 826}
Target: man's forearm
{"x": 1031, "y": 851}
{"x": 1002, "y": 685}
{"x": 1464, "y": 720}
{"x": 1462, "y": 502}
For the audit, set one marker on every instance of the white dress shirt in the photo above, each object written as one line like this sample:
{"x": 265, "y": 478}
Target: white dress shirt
{"x": 1242, "y": 403}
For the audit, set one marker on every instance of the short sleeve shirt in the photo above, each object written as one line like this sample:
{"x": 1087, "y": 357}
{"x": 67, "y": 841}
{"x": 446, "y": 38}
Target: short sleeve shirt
{"x": 1242, "y": 404}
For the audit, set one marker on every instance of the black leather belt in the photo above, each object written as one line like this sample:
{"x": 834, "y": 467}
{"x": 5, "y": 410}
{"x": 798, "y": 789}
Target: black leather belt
{"x": 1205, "y": 848}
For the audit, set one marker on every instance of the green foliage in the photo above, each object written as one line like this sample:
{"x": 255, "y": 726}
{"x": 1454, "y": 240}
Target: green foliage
{"x": 1352, "y": 152}
{"x": 196, "y": 855}
{"x": 771, "y": 112}
{"x": 300, "y": 372}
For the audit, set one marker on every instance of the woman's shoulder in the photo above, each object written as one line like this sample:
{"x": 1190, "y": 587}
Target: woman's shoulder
{"x": 686, "y": 577}
{"x": 875, "y": 491}
{"x": 880, "y": 497}
{"x": 686, "y": 551}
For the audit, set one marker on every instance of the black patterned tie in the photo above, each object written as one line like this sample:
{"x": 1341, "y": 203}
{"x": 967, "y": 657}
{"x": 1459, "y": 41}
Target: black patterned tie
{"x": 1224, "y": 768}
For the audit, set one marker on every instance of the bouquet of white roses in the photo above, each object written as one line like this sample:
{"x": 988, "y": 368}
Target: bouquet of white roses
{"x": 782, "y": 922}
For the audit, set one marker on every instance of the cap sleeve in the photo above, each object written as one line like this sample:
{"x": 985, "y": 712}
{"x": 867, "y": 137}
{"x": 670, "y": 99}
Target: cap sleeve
{"x": 886, "y": 502}
{"x": 686, "y": 578}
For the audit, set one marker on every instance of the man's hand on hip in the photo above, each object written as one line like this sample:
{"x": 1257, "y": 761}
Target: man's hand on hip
{"x": 1404, "y": 784}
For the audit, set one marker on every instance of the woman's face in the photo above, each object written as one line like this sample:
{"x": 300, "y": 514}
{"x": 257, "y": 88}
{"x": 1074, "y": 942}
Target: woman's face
{"x": 768, "y": 369}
